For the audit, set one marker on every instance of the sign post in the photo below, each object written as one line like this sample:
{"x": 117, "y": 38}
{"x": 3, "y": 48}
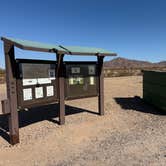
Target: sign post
{"x": 60, "y": 78}
{"x": 11, "y": 93}
{"x": 101, "y": 85}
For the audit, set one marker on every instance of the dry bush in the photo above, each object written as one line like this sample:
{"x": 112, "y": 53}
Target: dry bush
{"x": 119, "y": 72}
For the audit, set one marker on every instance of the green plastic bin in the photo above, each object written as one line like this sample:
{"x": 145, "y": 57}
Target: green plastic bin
{"x": 154, "y": 88}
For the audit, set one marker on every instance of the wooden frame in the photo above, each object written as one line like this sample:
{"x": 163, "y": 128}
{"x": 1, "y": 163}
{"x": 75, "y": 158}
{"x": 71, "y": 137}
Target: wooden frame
{"x": 10, "y": 105}
{"x": 45, "y": 100}
{"x": 60, "y": 84}
{"x": 11, "y": 93}
{"x": 77, "y": 94}
{"x": 101, "y": 86}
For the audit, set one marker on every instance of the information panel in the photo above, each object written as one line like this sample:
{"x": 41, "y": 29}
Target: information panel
{"x": 81, "y": 80}
{"x": 37, "y": 82}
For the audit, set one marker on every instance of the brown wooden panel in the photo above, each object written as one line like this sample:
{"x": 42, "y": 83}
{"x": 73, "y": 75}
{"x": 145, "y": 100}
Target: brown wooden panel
{"x": 35, "y": 102}
{"x": 101, "y": 86}
{"x": 11, "y": 93}
{"x": 83, "y": 88}
{"x": 81, "y": 91}
{"x": 20, "y": 87}
{"x": 61, "y": 93}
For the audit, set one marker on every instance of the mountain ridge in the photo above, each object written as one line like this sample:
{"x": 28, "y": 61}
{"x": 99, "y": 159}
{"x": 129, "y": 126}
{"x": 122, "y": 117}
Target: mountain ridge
{"x": 130, "y": 63}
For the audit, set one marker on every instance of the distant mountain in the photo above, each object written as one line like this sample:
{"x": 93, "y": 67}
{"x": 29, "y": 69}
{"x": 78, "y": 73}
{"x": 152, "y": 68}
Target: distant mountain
{"x": 162, "y": 64}
{"x": 128, "y": 63}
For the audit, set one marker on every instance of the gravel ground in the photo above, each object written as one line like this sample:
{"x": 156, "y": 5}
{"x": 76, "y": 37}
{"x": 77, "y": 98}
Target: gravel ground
{"x": 130, "y": 133}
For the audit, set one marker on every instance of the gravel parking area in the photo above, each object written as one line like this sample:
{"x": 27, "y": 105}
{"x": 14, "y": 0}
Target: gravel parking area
{"x": 130, "y": 133}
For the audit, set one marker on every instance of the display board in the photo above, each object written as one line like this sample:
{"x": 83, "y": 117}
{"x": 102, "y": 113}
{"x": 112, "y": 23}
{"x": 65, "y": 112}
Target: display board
{"x": 36, "y": 83}
{"x": 80, "y": 80}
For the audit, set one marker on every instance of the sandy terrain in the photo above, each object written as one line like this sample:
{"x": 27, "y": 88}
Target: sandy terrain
{"x": 130, "y": 133}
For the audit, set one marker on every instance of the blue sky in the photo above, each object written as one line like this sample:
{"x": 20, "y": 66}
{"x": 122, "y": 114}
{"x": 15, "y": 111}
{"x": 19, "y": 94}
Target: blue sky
{"x": 134, "y": 29}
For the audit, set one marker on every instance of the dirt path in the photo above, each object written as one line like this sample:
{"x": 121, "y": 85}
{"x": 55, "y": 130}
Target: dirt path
{"x": 131, "y": 133}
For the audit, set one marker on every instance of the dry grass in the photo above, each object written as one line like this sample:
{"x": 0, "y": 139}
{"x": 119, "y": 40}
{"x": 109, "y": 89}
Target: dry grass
{"x": 113, "y": 72}
{"x": 130, "y": 133}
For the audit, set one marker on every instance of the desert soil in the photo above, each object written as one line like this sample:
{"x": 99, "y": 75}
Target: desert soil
{"x": 130, "y": 133}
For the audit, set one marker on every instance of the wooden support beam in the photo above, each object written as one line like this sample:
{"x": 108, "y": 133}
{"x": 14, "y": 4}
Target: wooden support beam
{"x": 101, "y": 85}
{"x": 11, "y": 93}
{"x": 60, "y": 88}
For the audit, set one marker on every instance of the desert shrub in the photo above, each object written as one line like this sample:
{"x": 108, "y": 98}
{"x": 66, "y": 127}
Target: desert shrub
{"x": 127, "y": 72}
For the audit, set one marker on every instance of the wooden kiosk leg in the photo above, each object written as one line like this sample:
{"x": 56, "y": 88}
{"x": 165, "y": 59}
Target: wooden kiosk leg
{"x": 11, "y": 93}
{"x": 101, "y": 85}
{"x": 60, "y": 77}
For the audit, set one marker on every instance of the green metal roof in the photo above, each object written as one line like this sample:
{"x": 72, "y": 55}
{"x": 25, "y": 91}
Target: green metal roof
{"x": 73, "y": 50}
{"x": 78, "y": 49}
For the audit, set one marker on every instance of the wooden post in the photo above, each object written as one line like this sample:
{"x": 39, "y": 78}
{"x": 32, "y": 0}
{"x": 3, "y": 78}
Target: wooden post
{"x": 11, "y": 93}
{"x": 60, "y": 79}
{"x": 101, "y": 85}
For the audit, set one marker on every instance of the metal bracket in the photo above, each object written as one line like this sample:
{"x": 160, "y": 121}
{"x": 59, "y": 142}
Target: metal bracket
{"x": 5, "y": 106}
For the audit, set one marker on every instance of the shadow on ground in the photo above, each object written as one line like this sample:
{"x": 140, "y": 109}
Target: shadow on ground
{"x": 34, "y": 115}
{"x": 137, "y": 104}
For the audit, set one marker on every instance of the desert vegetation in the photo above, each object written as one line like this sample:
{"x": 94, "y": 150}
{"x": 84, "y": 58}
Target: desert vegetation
{"x": 126, "y": 67}
{"x": 119, "y": 67}
{"x": 120, "y": 72}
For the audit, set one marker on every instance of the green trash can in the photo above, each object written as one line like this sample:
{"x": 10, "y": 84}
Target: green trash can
{"x": 154, "y": 88}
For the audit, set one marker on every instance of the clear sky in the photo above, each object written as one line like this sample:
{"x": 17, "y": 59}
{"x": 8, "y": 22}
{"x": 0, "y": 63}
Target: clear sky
{"x": 134, "y": 29}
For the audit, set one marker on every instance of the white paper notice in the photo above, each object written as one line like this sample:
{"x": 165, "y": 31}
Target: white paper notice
{"x": 50, "y": 91}
{"x": 92, "y": 81}
{"x": 27, "y": 94}
{"x": 44, "y": 81}
{"x": 29, "y": 82}
{"x": 75, "y": 70}
{"x": 91, "y": 69}
{"x": 35, "y": 81}
{"x": 71, "y": 81}
{"x": 39, "y": 92}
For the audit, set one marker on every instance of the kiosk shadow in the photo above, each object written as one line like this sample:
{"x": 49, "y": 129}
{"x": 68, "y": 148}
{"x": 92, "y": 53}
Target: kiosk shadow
{"x": 38, "y": 114}
{"x": 137, "y": 104}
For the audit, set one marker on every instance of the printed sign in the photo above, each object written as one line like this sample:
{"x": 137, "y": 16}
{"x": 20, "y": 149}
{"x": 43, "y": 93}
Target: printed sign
{"x": 27, "y": 94}
{"x": 76, "y": 81}
{"x": 36, "y": 81}
{"x": 50, "y": 91}
{"x": 39, "y": 92}
{"x": 92, "y": 81}
{"x": 52, "y": 73}
{"x": 29, "y": 82}
{"x": 75, "y": 70}
{"x": 44, "y": 81}
{"x": 71, "y": 81}
{"x": 91, "y": 69}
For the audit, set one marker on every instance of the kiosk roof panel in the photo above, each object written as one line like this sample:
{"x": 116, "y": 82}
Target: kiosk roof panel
{"x": 69, "y": 50}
